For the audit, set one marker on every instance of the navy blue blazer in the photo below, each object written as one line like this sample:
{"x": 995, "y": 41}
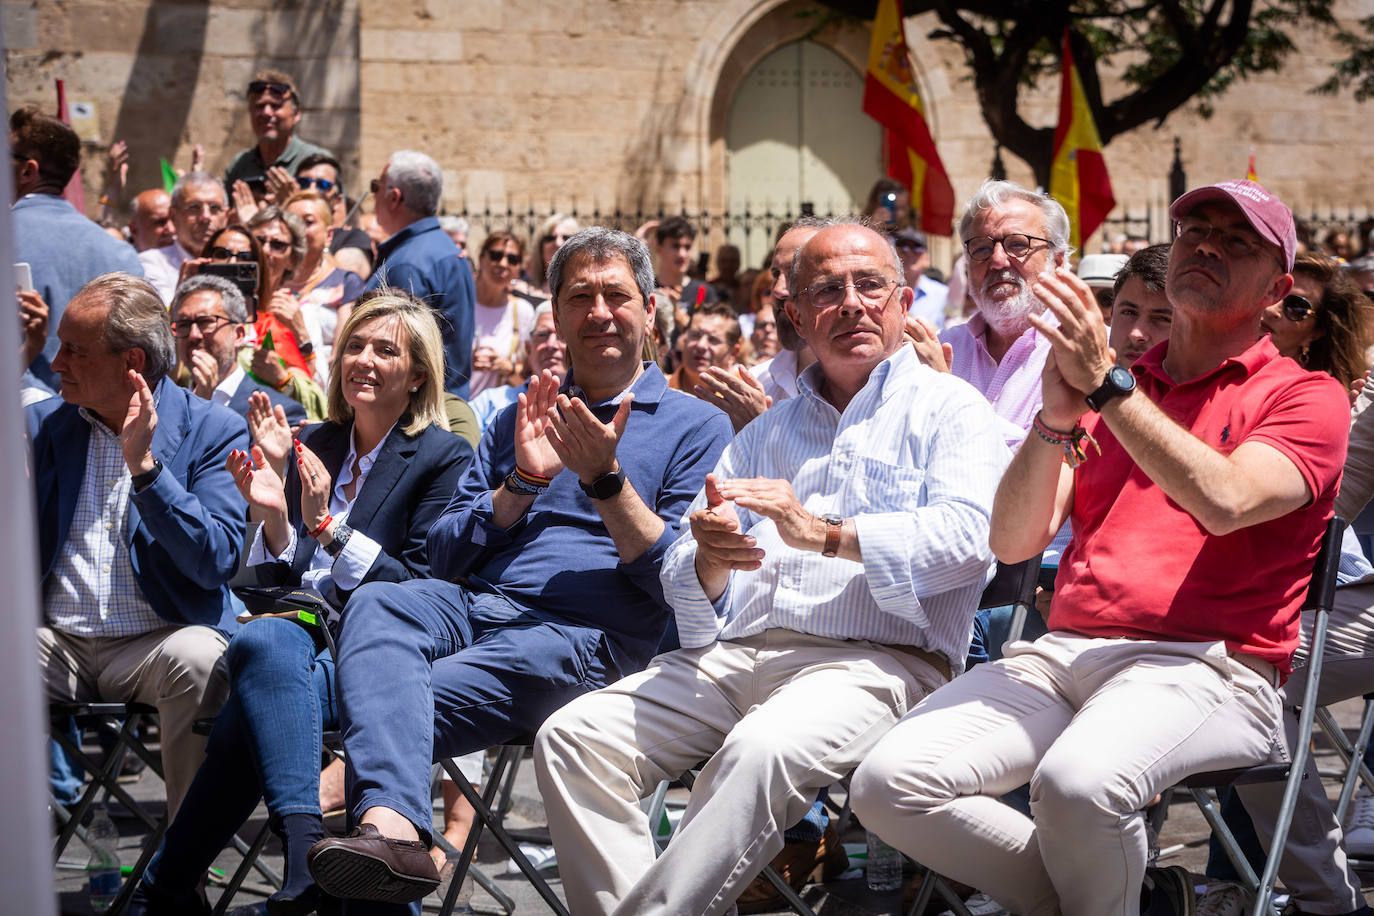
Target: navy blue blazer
{"x": 295, "y": 413}
{"x": 185, "y": 528}
{"x": 412, "y": 480}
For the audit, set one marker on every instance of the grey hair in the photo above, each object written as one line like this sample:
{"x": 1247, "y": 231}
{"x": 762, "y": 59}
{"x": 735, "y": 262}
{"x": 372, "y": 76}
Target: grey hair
{"x": 196, "y": 180}
{"x": 861, "y": 222}
{"x": 274, "y": 214}
{"x": 136, "y": 318}
{"x": 452, "y": 223}
{"x": 602, "y": 244}
{"x": 418, "y": 178}
{"x": 543, "y": 308}
{"x": 231, "y": 299}
{"x": 994, "y": 194}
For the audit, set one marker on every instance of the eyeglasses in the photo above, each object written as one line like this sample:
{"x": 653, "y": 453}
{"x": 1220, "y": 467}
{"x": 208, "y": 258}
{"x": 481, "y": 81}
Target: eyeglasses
{"x": 191, "y": 206}
{"x": 1192, "y": 230}
{"x": 207, "y": 324}
{"x": 258, "y": 87}
{"x": 830, "y": 293}
{"x": 277, "y": 246}
{"x": 324, "y": 184}
{"x": 1016, "y": 245}
{"x": 496, "y": 257}
{"x": 543, "y": 335}
{"x": 1296, "y": 308}
{"x": 220, "y": 253}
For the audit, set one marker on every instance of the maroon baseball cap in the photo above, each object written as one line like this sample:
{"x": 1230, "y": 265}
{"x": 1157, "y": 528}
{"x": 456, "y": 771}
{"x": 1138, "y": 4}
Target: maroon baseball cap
{"x": 1265, "y": 213}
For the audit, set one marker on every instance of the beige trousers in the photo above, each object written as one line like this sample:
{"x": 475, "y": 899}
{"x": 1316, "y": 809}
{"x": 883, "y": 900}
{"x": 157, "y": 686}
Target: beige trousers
{"x": 1097, "y": 727}
{"x": 779, "y": 715}
{"x": 172, "y": 668}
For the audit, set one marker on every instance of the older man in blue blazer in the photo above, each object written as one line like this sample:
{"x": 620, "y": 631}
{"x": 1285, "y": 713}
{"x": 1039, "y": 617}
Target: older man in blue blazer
{"x": 140, "y": 525}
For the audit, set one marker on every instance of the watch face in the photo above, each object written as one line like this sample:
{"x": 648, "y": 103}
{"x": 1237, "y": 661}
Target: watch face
{"x": 1122, "y": 379}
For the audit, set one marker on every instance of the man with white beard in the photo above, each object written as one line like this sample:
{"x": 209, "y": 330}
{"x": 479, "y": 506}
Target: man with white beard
{"x": 1012, "y": 236}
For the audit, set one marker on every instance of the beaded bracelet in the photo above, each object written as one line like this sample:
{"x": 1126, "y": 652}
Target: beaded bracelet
{"x": 1075, "y": 452}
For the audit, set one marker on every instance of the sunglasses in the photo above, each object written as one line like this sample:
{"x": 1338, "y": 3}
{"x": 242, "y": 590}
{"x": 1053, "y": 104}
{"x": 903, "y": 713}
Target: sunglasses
{"x": 258, "y": 87}
{"x": 1296, "y": 308}
{"x": 496, "y": 257}
{"x": 276, "y": 246}
{"x": 324, "y": 184}
{"x": 220, "y": 253}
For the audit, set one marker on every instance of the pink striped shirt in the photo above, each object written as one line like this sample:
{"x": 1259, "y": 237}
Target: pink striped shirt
{"x": 1013, "y": 385}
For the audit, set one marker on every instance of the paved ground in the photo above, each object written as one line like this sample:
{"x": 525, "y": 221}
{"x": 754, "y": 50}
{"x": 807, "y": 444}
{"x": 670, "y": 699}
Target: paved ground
{"x": 1184, "y": 833}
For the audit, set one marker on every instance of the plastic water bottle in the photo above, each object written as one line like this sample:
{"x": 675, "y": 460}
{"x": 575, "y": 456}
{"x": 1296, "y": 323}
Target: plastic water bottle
{"x": 884, "y": 871}
{"x": 103, "y": 868}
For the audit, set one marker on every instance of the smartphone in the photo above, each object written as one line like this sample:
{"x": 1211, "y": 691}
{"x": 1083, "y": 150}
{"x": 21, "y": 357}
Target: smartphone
{"x": 244, "y": 276}
{"x": 23, "y": 277}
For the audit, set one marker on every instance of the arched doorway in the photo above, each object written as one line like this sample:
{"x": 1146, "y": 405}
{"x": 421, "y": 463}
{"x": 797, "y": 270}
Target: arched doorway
{"x": 796, "y": 136}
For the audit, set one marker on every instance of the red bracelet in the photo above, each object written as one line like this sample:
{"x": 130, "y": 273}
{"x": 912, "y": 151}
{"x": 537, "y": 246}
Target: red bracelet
{"x": 323, "y": 525}
{"x": 532, "y": 478}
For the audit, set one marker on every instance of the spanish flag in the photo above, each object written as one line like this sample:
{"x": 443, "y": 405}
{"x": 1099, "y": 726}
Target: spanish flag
{"x": 1078, "y": 177}
{"x": 890, "y": 98}
{"x": 1250, "y": 169}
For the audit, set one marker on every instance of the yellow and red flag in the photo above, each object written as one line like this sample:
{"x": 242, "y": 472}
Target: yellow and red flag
{"x": 1078, "y": 177}
{"x": 1250, "y": 169}
{"x": 890, "y": 98}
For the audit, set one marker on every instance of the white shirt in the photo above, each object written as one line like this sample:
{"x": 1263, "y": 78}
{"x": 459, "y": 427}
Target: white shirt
{"x": 346, "y": 570}
{"x": 914, "y": 460}
{"x": 224, "y": 392}
{"x": 931, "y": 296}
{"x": 778, "y": 375}
{"x": 162, "y": 267}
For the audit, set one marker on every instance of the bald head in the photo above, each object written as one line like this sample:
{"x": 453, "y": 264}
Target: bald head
{"x": 781, "y": 265}
{"x": 150, "y": 220}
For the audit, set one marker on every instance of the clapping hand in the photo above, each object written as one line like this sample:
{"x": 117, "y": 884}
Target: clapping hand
{"x": 136, "y": 436}
{"x": 270, "y": 430}
{"x": 737, "y": 393}
{"x": 533, "y": 451}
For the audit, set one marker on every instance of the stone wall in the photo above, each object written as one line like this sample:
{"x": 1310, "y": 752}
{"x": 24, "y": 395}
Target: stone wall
{"x": 165, "y": 76}
{"x": 595, "y": 103}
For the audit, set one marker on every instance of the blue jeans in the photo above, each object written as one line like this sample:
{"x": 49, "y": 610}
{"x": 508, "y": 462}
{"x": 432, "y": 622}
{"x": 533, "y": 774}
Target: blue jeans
{"x": 428, "y": 669}
{"x": 265, "y": 745}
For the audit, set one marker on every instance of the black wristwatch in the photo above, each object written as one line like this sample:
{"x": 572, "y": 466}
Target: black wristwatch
{"x": 336, "y": 544}
{"x": 147, "y": 477}
{"x": 1119, "y": 383}
{"x": 605, "y": 486}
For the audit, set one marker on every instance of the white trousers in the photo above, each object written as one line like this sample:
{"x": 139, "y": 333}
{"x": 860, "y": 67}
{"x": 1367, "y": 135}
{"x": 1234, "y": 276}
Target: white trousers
{"x": 1097, "y": 727}
{"x": 173, "y": 668}
{"x": 779, "y": 715}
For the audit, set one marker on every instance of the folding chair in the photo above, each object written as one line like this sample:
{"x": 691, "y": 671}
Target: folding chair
{"x": 1011, "y": 585}
{"x": 119, "y": 722}
{"x": 1352, "y": 755}
{"x": 479, "y": 877}
{"x": 1320, "y": 598}
{"x": 497, "y": 792}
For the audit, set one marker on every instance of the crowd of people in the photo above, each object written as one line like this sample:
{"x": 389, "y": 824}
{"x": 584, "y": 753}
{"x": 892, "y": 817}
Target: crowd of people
{"x": 302, "y": 468}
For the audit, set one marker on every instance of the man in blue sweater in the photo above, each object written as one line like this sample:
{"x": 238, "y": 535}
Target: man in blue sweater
{"x": 420, "y": 258}
{"x": 557, "y": 533}
{"x": 62, "y": 247}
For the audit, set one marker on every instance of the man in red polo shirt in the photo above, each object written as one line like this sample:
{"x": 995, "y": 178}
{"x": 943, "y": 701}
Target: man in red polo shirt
{"x": 1216, "y": 455}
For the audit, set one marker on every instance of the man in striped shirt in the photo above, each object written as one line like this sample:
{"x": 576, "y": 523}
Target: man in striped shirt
{"x": 828, "y": 582}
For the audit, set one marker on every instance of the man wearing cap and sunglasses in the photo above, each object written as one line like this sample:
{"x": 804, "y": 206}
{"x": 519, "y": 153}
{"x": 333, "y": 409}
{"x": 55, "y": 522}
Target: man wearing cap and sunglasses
{"x": 1219, "y": 455}
{"x": 274, "y": 109}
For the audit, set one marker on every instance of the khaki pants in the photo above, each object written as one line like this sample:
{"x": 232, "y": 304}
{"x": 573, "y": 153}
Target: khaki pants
{"x": 779, "y": 715}
{"x": 172, "y": 668}
{"x": 1097, "y": 727}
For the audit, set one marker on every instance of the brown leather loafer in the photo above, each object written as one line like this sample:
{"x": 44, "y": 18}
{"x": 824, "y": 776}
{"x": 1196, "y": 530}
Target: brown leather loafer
{"x": 796, "y": 864}
{"x": 368, "y": 866}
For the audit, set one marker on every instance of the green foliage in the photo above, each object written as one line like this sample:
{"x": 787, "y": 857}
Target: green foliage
{"x": 1358, "y": 68}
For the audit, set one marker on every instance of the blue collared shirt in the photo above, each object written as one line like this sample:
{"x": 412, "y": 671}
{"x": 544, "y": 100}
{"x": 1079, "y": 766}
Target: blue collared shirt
{"x": 559, "y": 561}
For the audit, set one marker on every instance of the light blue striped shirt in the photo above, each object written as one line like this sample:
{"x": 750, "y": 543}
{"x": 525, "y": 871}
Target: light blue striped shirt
{"x": 914, "y": 460}
{"x": 92, "y": 590}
